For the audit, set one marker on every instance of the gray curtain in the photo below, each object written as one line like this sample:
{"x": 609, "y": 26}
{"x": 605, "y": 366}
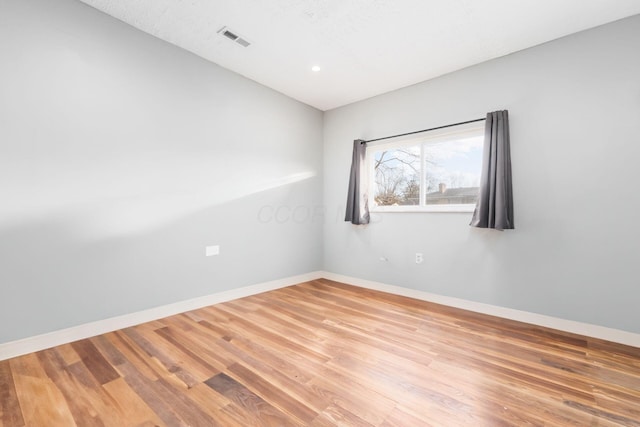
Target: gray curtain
{"x": 495, "y": 202}
{"x": 357, "y": 198}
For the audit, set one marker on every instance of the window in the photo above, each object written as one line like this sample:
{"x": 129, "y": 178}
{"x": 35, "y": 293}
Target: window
{"x": 434, "y": 171}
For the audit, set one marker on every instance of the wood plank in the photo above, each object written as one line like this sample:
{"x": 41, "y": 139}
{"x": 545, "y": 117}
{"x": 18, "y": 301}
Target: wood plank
{"x": 263, "y": 412}
{"x": 400, "y": 418}
{"x": 68, "y": 354}
{"x": 9, "y": 405}
{"x": 168, "y": 357}
{"x": 215, "y": 405}
{"x": 129, "y": 405}
{"x": 133, "y": 371}
{"x": 83, "y": 408}
{"x": 337, "y": 416}
{"x": 41, "y": 402}
{"x": 603, "y": 414}
{"x": 272, "y": 394}
{"x": 95, "y": 361}
{"x": 296, "y": 386}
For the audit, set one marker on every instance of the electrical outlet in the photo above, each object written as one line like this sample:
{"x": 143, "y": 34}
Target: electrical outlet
{"x": 419, "y": 258}
{"x": 211, "y": 250}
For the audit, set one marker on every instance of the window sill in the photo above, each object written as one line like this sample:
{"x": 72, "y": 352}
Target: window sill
{"x": 425, "y": 209}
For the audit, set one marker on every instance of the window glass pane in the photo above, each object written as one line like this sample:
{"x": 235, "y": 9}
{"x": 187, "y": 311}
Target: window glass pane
{"x": 397, "y": 176}
{"x": 452, "y": 171}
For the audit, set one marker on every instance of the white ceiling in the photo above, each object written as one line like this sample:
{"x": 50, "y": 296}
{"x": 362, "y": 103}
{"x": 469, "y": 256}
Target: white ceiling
{"x": 364, "y": 47}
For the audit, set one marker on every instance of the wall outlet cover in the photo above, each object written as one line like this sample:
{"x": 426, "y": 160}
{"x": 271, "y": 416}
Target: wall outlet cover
{"x": 212, "y": 250}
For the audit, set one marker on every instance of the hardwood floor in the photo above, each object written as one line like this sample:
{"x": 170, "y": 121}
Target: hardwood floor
{"x": 325, "y": 354}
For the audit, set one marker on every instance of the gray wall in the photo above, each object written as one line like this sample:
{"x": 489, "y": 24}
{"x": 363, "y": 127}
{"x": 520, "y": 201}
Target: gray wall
{"x": 122, "y": 157}
{"x": 574, "y": 106}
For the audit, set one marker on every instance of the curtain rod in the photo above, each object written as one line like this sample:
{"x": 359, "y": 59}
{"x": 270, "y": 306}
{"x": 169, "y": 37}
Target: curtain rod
{"x": 424, "y": 130}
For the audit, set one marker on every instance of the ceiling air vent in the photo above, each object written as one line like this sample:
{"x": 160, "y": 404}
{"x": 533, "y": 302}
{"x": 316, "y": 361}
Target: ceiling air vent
{"x": 233, "y": 36}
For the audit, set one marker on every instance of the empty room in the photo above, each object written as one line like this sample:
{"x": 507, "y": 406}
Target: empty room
{"x": 387, "y": 213}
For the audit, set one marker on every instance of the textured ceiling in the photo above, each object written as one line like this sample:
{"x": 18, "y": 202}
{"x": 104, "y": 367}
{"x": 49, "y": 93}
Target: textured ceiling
{"x": 364, "y": 47}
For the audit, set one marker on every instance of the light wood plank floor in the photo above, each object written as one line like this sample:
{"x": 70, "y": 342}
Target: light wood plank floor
{"x": 325, "y": 354}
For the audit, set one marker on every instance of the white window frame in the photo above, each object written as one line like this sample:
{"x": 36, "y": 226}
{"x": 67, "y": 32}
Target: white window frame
{"x": 436, "y": 136}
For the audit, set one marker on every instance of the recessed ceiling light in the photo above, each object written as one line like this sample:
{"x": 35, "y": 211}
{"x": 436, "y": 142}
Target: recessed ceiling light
{"x": 315, "y": 68}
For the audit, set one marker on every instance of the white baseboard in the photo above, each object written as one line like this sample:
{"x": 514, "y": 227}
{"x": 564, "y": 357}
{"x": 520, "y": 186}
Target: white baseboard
{"x": 87, "y": 330}
{"x": 580, "y": 328}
